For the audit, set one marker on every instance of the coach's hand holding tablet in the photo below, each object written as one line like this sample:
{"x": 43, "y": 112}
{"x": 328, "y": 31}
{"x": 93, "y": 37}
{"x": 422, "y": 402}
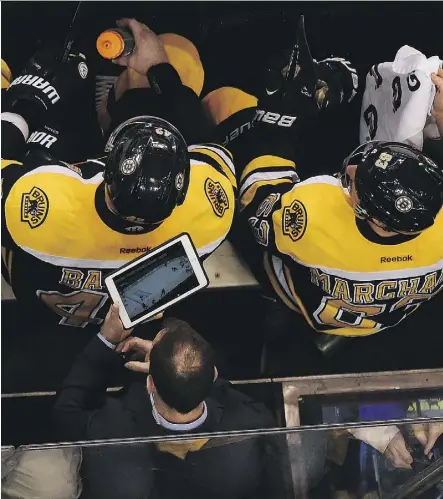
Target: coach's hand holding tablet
{"x": 113, "y": 331}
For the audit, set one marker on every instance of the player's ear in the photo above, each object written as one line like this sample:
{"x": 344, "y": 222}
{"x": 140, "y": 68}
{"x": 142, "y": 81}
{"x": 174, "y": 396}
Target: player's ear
{"x": 350, "y": 170}
{"x": 150, "y": 384}
{"x": 215, "y": 373}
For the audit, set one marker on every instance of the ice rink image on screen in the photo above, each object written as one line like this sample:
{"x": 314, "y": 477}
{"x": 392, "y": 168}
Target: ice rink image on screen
{"x": 156, "y": 282}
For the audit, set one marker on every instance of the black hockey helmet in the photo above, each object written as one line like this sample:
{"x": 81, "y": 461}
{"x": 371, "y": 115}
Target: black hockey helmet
{"x": 147, "y": 169}
{"x": 396, "y": 184}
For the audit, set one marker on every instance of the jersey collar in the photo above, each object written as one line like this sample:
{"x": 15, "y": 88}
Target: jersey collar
{"x": 114, "y": 222}
{"x": 366, "y": 231}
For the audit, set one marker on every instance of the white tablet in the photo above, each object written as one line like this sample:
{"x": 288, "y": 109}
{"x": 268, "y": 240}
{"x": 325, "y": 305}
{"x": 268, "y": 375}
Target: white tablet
{"x": 149, "y": 284}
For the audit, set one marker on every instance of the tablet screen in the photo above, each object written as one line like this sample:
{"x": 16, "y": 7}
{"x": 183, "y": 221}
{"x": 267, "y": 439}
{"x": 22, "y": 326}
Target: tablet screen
{"x": 156, "y": 281}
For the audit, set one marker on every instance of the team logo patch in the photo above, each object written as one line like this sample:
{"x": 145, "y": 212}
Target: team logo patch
{"x": 404, "y": 204}
{"x": 295, "y": 220}
{"x": 217, "y": 197}
{"x": 128, "y": 166}
{"x": 83, "y": 70}
{"x": 35, "y": 207}
{"x": 179, "y": 181}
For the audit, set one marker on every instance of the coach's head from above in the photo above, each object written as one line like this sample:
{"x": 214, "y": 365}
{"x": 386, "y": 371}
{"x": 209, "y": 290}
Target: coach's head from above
{"x": 179, "y": 363}
{"x": 394, "y": 187}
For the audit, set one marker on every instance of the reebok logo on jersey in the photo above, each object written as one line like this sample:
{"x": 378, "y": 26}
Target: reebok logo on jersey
{"x": 134, "y": 250}
{"x": 387, "y": 259}
{"x": 40, "y": 84}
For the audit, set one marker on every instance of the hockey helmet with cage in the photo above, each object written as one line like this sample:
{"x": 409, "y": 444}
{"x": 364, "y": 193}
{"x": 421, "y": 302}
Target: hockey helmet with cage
{"x": 147, "y": 169}
{"x": 396, "y": 184}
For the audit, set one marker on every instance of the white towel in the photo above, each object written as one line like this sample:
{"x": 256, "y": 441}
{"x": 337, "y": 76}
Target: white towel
{"x": 398, "y": 99}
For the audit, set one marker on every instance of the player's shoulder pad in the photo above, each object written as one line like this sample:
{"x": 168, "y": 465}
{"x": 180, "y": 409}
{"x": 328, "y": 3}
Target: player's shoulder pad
{"x": 216, "y": 156}
{"x": 308, "y": 201}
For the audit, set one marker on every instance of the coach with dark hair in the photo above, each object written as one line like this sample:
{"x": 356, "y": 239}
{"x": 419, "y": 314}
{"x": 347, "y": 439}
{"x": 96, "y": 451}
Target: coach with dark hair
{"x": 182, "y": 394}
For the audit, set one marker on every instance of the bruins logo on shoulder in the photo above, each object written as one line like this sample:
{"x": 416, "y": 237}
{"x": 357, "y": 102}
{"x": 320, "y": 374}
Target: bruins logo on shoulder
{"x": 295, "y": 220}
{"x": 35, "y": 207}
{"x": 217, "y": 197}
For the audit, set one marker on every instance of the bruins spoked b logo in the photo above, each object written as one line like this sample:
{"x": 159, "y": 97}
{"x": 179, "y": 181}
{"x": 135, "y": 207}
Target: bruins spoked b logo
{"x": 404, "y": 204}
{"x": 295, "y": 220}
{"x": 217, "y": 197}
{"x": 35, "y": 206}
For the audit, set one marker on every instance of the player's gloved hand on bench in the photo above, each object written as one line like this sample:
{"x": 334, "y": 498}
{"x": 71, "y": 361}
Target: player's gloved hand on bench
{"x": 287, "y": 98}
{"x": 44, "y": 84}
{"x": 284, "y": 102}
{"x": 341, "y": 80}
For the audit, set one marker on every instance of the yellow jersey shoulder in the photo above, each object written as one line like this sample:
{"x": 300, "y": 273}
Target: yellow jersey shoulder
{"x": 212, "y": 185}
{"x": 51, "y": 211}
{"x": 209, "y": 206}
{"x": 52, "y": 199}
{"x": 317, "y": 226}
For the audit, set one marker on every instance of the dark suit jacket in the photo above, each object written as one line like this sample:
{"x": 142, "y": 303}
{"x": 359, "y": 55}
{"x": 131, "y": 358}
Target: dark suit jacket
{"x": 83, "y": 411}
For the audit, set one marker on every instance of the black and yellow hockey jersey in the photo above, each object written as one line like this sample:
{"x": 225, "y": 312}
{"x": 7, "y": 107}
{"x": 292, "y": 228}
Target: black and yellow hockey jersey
{"x": 319, "y": 258}
{"x": 323, "y": 261}
{"x": 59, "y": 239}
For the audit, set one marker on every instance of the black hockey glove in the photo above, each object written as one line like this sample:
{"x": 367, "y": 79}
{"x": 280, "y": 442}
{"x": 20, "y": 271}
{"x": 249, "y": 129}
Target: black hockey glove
{"x": 287, "y": 99}
{"x": 339, "y": 80}
{"x": 44, "y": 84}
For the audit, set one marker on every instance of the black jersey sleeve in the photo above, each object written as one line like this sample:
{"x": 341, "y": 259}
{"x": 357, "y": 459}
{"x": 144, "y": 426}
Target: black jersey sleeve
{"x": 14, "y": 133}
{"x": 167, "y": 98}
{"x": 263, "y": 158}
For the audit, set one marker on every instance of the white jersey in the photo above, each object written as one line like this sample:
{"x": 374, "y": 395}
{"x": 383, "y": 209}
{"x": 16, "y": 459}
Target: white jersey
{"x": 398, "y": 99}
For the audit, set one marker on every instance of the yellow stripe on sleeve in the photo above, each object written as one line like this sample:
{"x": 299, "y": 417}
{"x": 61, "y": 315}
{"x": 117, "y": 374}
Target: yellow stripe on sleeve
{"x": 248, "y": 196}
{"x": 222, "y": 148}
{"x": 7, "y": 255}
{"x": 267, "y": 162}
{"x": 7, "y": 162}
{"x": 225, "y": 162}
{"x": 290, "y": 282}
{"x": 276, "y": 285}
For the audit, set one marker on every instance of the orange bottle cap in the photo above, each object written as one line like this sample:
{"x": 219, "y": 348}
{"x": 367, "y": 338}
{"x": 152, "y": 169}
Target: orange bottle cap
{"x": 110, "y": 44}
